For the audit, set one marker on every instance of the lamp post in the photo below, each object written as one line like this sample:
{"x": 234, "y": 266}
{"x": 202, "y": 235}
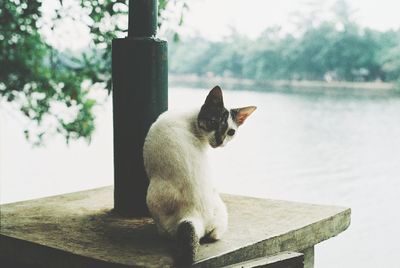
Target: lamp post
{"x": 140, "y": 94}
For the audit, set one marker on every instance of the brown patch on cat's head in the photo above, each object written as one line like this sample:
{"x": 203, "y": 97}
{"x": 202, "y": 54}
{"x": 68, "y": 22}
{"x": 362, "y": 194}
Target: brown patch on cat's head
{"x": 213, "y": 117}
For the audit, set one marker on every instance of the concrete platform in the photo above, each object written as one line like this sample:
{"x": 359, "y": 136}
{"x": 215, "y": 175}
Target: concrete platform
{"x": 80, "y": 230}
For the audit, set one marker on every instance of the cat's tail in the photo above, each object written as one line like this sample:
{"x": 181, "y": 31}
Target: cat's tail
{"x": 187, "y": 243}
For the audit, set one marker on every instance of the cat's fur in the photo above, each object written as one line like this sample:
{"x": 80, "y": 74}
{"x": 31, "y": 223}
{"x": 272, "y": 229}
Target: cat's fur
{"x": 181, "y": 197}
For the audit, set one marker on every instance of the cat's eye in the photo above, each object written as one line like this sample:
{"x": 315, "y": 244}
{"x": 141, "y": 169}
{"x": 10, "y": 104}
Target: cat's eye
{"x": 231, "y": 132}
{"x": 226, "y": 114}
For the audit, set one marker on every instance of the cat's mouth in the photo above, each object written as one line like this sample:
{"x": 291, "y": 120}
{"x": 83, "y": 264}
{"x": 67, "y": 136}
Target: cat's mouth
{"x": 213, "y": 145}
{"x": 216, "y": 144}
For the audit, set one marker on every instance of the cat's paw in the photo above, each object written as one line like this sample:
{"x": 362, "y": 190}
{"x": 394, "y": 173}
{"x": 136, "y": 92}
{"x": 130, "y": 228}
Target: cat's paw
{"x": 214, "y": 235}
{"x": 211, "y": 237}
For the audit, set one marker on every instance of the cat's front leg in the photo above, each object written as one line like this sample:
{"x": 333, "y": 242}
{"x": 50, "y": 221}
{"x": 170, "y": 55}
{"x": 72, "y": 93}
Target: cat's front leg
{"x": 219, "y": 222}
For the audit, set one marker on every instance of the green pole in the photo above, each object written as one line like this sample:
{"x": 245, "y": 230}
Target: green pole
{"x": 140, "y": 94}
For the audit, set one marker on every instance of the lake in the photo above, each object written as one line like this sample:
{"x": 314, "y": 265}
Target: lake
{"x": 337, "y": 147}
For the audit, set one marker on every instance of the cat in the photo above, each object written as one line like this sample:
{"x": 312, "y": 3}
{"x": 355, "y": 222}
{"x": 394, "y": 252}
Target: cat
{"x": 181, "y": 198}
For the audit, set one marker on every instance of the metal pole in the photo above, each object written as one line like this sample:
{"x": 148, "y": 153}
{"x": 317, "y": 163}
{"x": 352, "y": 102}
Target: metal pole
{"x": 142, "y": 18}
{"x": 140, "y": 94}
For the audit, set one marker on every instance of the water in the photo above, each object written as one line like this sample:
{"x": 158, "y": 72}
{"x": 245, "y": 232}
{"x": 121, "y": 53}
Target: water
{"x": 329, "y": 147}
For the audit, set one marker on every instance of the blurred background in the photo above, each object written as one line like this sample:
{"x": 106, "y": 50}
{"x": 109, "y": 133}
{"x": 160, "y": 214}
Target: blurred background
{"x": 325, "y": 76}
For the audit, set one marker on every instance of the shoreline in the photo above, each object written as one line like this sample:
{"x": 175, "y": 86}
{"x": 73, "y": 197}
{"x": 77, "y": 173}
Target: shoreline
{"x": 229, "y": 81}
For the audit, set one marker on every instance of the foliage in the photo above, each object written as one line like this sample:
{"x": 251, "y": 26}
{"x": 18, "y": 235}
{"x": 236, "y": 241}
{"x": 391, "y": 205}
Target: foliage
{"x": 29, "y": 77}
{"x": 336, "y": 49}
{"x": 49, "y": 87}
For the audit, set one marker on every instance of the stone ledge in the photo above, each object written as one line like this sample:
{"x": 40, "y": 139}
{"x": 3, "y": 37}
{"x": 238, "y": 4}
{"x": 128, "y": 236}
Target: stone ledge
{"x": 80, "y": 229}
{"x": 284, "y": 259}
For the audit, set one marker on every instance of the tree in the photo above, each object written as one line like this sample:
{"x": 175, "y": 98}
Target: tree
{"x": 335, "y": 49}
{"x": 389, "y": 55}
{"x": 42, "y": 81}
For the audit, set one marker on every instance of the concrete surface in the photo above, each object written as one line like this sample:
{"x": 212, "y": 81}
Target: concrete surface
{"x": 308, "y": 257}
{"x": 80, "y": 229}
{"x": 281, "y": 260}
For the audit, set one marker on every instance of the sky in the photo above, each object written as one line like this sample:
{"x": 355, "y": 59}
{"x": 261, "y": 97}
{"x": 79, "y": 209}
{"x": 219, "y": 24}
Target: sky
{"x": 215, "y": 19}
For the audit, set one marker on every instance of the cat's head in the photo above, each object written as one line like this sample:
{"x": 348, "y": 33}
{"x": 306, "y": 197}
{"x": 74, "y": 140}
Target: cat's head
{"x": 218, "y": 123}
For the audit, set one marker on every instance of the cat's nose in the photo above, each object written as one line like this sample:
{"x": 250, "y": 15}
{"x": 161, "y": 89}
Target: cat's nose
{"x": 230, "y": 132}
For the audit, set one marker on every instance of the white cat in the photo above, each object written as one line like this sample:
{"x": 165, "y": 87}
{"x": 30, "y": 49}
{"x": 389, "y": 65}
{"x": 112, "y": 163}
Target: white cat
{"x": 181, "y": 198}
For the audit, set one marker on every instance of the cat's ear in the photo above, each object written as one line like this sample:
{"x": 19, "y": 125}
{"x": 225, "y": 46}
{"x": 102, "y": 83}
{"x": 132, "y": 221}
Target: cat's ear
{"x": 215, "y": 97}
{"x": 241, "y": 114}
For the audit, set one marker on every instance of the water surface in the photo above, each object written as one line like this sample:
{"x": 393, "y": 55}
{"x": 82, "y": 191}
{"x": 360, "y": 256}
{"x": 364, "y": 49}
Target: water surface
{"x": 335, "y": 147}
